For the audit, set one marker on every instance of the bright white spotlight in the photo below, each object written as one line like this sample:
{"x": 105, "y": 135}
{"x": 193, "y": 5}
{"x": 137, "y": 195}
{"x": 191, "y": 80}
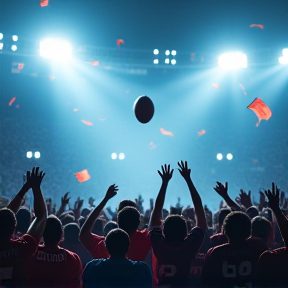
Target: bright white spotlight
{"x": 29, "y": 154}
{"x": 173, "y": 61}
{"x": 15, "y": 38}
{"x": 173, "y": 53}
{"x": 156, "y": 52}
{"x": 229, "y": 156}
{"x": 167, "y": 52}
{"x": 14, "y": 48}
{"x": 55, "y": 49}
{"x": 37, "y": 155}
{"x": 232, "y": 61}
{"x": 114, "y": 156}
{"x": 121, "y": 156}
{"x": 1, "y": 36}
{"x": 1, "y": 46}
{"x": 167, "y": 61}
{"x": 284, "y": 59}
{"x": 156, "y": 61}
{"x": 219, "y": 156}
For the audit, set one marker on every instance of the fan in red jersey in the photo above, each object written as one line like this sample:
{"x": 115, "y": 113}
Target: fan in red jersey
{"x": 51, "y": 265}
{"x": 15, "y": 254}
{"x": 235, "y": 263}
{"x": 173, "y": 247}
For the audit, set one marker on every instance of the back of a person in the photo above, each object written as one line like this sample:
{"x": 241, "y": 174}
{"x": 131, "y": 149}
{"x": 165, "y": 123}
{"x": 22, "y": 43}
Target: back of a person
{"x": 54, "y": 267}
{"x": 108, "y": 273}
{"x": 231, "y": 265}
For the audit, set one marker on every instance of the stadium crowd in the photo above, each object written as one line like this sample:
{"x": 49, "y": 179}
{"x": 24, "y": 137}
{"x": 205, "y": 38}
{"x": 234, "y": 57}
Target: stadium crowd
{"x": 242, "y": 245}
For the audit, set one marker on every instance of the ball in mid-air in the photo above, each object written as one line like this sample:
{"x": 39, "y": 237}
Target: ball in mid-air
{"x": 143, "y": 109}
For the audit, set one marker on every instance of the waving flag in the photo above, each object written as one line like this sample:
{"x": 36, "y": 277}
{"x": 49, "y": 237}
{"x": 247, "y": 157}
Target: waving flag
{"x": 262, "y": 111}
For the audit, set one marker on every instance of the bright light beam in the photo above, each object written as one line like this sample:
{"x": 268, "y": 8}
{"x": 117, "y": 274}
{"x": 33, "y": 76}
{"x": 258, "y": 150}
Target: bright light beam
{"x": 55, "y": 49}
{"x": 232, "y": 61}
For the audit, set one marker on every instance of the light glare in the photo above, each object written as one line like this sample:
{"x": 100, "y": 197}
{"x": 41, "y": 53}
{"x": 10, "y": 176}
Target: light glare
{"x": 121, "y": 156}
{"x": 29, "y": 154}
{"x": 173, "y": 61}
{"x": 156, "y": 61}
{"x": 55, "y": 49}
{"x": 219, "y": 156}
{"x": 1, "y": 36}
{"x": 232, "y": 61}
{"x": 229, "y": 156}
{"x": 156, "y": 51}
{"x": 167, "y": 61}
{"x": 15, "y": 38}
{"x": 14, "y": 48}
{"x": 114, "y": 156}
{"x": 173, "y": 53}
{"x": 1, "y": 46}
{"x": 37, "y": 155}
{"x": 167, "y": 52}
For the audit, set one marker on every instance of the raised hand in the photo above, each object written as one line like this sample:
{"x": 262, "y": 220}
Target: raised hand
{"x": 111, "y": 192}
{"x": 91, "y": 202}
{"x": 34, "y": 178}
{"x": 65, "y": 200}
{"x": 166, "y": 174}
{"x": 184, "y": 170}
{"x": 273, "y": 196}
{"x": 221, "y": 189}
{"x": 78, "y": 204}
{"x": 263, "y": 203}
{"x": 244, "y": 199}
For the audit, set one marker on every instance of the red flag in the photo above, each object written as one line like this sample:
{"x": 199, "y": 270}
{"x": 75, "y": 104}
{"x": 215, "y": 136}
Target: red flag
{"x": 44, "y": 3}
{"x": 217, "y": 86}
{"x": 12, "y": 101}
{"x": 87, "y": 122}
{"x": 119, "y": 42}
{"x": 260, "y": 109}
{"x": 257, "y": 25}
{"x": 168, "y": 133}
{"x": 83, "y": 176}
{"x": 202, "y": 132}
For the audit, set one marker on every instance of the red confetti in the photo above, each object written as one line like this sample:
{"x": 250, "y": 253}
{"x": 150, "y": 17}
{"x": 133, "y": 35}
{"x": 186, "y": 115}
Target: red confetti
{"x": 119, "y": 42}
{"x": 262, "y": 111}
{"x": 44, "y": 3}
{"x": 95, "y": 63}
{"x": 12, "y": 101}
{"x": 152, "y": 145}
{"x": 168, "y": 133}
{"x": 75, "y": 109}
{"x": 87, "y": 122}
{"x": 257, "y": 25}
{"x": 202, "y": 132}
{"x": 101, "y": 118}
{"x": 217, "y": 86}
{"x": 21, "y": 66}
{"x": 83, "y": 176}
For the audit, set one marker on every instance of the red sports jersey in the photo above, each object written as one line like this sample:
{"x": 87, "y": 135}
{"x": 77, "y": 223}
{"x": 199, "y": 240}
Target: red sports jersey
{"x": 54, "y": 267}
{"x": 14, "y": 257}
{"x": 138, "y": 250}
{"x": 273, "y": 268}
{"x": 231, "y": 265}
{"x": 218, "y": 239}
{"x": 174, "y": 259}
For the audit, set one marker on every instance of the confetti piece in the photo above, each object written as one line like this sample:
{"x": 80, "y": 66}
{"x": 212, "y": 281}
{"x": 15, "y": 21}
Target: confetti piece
{"x": 75, "y": 109}
{"x": 168, "y": 133}
{"x": 119, "y": 42}
{"x": 82, "y": 176}
{"x": 152, "y": 145}
{"x": 243, "y": 88}
{"x": 217, "y": 86}
{"x": 95, "y": 63}
{"x": 202, "y": 132}
{"x": 262, "y": 111}
{"x": 257, "y": 25}
{"x": 12, "y": 101}
{"x": 44, "y": 3}
{"x": 17, "y": 106}
{"x": 21, "y": 66}
{"x": 87, "y": 122}
{"x": 101, "y": 118}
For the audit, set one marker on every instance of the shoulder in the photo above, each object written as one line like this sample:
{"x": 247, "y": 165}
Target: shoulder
{"x": 196, "y": 233}
{"x": 217, "y": 250}
{"x": 276, "y": 253}
{"x": 156, "y": 234}
{"x": 25, "y": 239}
{"x": 144, "y": 232}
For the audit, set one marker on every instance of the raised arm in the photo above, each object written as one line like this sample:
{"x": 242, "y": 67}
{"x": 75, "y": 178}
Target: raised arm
{"x": 37, "y": 227}
{"x": 273, "y": 197}
{"x": 156, "y": 215}
{"x": 196, "y": 199}
{"x": 16, "y": 202}
{"x": 223, "y": 192}
{"x": 86, "y": 230}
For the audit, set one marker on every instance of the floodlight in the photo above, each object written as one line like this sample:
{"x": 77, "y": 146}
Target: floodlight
{"x": 173, "y": 53}
{"x": 232, "y": 61}
{"x": 173, "y": 61}
{"x": 121, "y": 156}
{"x": 1, "y": 46}
{"x": 167, "y": 61}
{"x": 284, "y": 59}
{"x": 114, "y": 156}
{"x": 229, "y": 156}
{"x": 1, "y": 36}
{"x": 167, "y": 52}
{"x": 285, "y": 52}
{"x": 37, "y": 155}
{"x": 55, "y": 49}
{"x": 29, "y": 154}
{"x": 15, "y": 38}
{"x": 156, "y": 52}
{"x": 14, "y": 48}
{"x": 156, "y": 61}
{"x": 219, "y": 156}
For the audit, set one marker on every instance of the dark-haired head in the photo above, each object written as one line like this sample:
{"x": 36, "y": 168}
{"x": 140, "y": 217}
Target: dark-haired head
{"x": 71, "y": 233}
{"x": 23, "y": 217}
{"x": 110, "y": 226}
{"x": 8, "y": 223}
{"x": 175, "y": 228}
{"x": 237, "y": 227}
{"x": 222, "y": 215}
{"x": 53, "y": 231}
{"x": 126, "y": 203}
{"x": 263, "y": 229}
{"x": 117, "y": 243}
{"x": 129, "y": 219}
{"x": 252, "y": 212}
